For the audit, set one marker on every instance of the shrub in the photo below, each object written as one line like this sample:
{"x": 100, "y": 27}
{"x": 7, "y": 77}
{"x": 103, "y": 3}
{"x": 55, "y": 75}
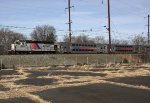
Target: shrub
{"x": 125, "y": 60}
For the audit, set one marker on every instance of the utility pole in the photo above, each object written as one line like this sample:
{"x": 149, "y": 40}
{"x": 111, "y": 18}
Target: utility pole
{"x": 148, "y": 41}
{"x": 109, "y": 28}
{"x": 69, "y": 14}
{"x": 148, "y": 29}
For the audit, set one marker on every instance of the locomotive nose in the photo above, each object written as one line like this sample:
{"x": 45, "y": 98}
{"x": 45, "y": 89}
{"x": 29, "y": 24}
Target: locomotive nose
{"x": 13, "y": 47}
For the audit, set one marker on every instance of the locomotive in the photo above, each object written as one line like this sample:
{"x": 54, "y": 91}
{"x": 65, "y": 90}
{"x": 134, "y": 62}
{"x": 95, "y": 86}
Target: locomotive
{"x": 45, "y": 47}
{"x": 32, "y": 47}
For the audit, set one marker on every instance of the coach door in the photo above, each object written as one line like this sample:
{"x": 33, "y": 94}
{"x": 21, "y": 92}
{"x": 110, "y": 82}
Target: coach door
{"x": 55, "y": 47}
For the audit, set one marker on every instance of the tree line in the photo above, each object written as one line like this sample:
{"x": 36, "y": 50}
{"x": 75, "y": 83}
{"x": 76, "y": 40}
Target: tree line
{"x": 7, "y": 37}
{"x": 136, "y": 40}
{"x": 48, "y": 33}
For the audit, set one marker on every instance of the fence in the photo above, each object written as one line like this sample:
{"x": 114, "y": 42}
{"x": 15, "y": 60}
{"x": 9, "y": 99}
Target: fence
{"x": 9, "y": 61}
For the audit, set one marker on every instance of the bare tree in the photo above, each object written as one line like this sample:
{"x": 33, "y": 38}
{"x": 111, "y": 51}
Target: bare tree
{"x": 7, "y": 37}
{"x": 82, "y": 39}
{"x": 120, "y": 42}
{"x": 79, "y": 39}
{"x": 97, "y": 39}
{"x": 125, "y": 42}
{"x": 100, "y": 40}
{"x": 44, "y": 33}
{"x": 66, "y": 38}
{"x": 139, "y": 40}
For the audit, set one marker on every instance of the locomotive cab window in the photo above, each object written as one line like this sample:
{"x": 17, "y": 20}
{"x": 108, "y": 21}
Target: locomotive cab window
{"x": 18, "y": 43}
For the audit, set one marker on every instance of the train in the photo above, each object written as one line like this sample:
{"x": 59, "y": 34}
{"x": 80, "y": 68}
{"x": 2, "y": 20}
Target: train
{"x": 45, "y": 47}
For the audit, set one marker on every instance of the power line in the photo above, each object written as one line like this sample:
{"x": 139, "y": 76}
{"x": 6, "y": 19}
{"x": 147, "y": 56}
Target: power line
{"x": 63, "y": 30}
{"x": 94, "y": 32}
{"x": 6, "y": 26}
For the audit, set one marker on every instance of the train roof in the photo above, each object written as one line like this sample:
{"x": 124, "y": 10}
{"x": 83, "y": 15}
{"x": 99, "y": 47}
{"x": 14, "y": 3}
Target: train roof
{"x": 32, "y": 41}
{"x": 75, "y": 43}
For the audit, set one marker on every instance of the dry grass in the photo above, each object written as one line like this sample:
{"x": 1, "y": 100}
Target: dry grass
{"x": 111, "y": 71}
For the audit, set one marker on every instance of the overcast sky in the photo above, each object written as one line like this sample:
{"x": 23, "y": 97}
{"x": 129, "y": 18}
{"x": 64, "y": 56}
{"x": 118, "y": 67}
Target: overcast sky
{"x": 127, "y": 16}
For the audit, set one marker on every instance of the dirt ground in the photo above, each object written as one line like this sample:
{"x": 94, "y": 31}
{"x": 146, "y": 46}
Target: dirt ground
{"x": 111, "y": 83}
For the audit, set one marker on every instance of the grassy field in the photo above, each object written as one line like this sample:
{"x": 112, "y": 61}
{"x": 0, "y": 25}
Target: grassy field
{"x": 60, "y": 59}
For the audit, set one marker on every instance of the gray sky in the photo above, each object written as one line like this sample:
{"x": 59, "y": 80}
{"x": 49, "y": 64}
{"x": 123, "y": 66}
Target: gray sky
{"x": 127, "y": 16}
